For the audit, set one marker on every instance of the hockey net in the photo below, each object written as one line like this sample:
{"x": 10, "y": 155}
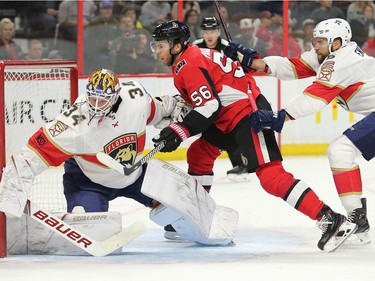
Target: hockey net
{"x": 32, "y": 93}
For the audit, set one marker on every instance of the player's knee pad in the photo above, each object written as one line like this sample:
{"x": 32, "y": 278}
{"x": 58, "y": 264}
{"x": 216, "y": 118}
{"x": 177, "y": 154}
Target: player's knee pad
{"x": 342, "y": 153}
{"x": 90, "y": 201}
{"x": 274, "y": 179}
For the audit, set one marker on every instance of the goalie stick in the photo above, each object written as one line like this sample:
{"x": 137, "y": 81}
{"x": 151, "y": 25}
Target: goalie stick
{"x": 81, "y": 240}
{"x": 117, "y": 166}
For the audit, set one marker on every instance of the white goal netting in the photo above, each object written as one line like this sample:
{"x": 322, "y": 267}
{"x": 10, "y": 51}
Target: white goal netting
{"x": 34, "y": 95}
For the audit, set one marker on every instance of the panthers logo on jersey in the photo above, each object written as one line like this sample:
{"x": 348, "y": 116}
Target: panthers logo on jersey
{"x": 342, "y": 102}
{"x": 124, "y": 149}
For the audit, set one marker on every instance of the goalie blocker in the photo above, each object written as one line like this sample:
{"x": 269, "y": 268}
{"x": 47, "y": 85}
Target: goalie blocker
{"x": 187, "y": 206}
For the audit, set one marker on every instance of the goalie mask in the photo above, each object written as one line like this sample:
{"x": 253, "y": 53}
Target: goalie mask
{"x": 332, "y": 29}
{"x": 102, "y": 91}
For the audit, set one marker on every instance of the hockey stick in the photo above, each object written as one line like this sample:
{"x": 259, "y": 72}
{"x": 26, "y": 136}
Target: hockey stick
{"x": 91, "y": 246}
{"x": 229, "y": 37}
{"x": 113, "y": 164}
{"x": 223, "y": 22}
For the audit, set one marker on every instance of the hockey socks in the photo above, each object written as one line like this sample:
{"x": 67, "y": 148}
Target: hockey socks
{"x": 349, "y": 187}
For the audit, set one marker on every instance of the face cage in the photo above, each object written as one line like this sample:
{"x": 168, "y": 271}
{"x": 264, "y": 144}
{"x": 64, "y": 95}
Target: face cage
{"x": 96, "y": 111}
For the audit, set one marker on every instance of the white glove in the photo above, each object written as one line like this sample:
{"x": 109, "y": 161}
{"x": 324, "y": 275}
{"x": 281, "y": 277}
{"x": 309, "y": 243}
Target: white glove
{"x": 181, "y": 109}
{"x": 175, "y": 109}
{"x": 168, "y": 104}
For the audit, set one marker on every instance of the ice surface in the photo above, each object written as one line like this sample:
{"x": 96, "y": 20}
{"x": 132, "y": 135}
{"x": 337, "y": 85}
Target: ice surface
{"x": 273, "y": 241}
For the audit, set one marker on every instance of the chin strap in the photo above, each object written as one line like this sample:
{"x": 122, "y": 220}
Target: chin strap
{"x": 174, "y": 56}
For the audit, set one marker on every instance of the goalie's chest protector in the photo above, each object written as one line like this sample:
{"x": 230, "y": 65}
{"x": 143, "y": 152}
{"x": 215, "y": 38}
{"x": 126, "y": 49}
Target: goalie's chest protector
{"x": 121, "y": 134}
{"x": 117, "y": 131}
{"x": 124, "y": 131}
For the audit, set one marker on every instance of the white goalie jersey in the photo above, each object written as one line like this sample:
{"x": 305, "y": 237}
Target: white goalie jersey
{"x": 121, "y": 134}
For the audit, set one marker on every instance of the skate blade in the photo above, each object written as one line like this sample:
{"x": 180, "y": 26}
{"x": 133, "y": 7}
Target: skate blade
{"x": 336, "y": 241}
{"x": 173, "y": 236}
{"x": 357, "y": 240}
{"x": 239, "y": 177}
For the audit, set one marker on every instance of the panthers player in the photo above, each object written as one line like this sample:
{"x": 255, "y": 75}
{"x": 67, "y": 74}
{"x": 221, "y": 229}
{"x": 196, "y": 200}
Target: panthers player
{"x": 217, "y": 88}
{"x": 345, "y": 74}
{"x": 110, "y": 117}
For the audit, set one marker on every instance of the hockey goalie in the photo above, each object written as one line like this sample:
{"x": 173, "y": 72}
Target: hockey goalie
{"x": 111, "y": 117}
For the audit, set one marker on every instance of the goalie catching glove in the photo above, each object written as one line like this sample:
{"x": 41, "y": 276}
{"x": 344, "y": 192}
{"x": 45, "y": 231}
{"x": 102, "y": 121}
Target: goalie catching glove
{"x": 267, "y": 119}
{"x": 249, "y": 54}
{"x": 173, "y": 135}
{"x": 176, "y": 107}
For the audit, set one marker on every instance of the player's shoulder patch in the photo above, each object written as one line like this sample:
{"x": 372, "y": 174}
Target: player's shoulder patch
{"x": 326, "y": 71}
{"x": 57, "y": 128}
{"x": 179, "y": 66}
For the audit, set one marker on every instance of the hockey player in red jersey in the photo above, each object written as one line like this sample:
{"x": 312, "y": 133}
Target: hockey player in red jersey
{"x": 217, "y": 88}
{"x": 343, "y": 73}
{"x": 211, "y": 40}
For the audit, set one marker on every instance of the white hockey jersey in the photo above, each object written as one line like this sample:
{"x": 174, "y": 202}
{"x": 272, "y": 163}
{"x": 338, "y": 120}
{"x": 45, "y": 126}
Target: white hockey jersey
{"x": 122, "y": 134}
{"x": 347, "y": 76}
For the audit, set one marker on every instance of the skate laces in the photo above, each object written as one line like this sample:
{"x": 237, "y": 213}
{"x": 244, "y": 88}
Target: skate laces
{"x": 325, "y": 223}
{"x": 352, "y": 216}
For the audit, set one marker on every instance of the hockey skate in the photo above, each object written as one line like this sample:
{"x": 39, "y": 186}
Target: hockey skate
{"x": 361, "y": 236}
{"x": 332, "y": 223}
{"x": 171, "y": 234}
{"x": 239, "y": 174}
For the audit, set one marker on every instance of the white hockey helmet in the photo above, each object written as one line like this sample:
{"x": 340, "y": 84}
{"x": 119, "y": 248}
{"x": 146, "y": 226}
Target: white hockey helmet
{"x": 102, "y": 91}
{"x": 332, "y": 29}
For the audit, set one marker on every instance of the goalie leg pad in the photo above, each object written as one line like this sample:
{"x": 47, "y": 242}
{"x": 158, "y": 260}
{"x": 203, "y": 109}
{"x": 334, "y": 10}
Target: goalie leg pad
{"x": 37, "y": 239}
{"x": 163, "y": 215}
{"x": 186, "y": 205}
{"x": 15, "y": 186}
{"x": 224, "y": 226}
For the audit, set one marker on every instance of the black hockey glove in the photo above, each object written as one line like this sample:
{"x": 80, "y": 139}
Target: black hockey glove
{"x": 173, "y": 135}
{"x": 267, "y": 119}
{"x": 249, "y": 54}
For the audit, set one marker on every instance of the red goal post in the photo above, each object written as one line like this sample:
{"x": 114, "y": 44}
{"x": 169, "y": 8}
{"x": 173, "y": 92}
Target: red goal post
{"x": 32, "y": 92}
